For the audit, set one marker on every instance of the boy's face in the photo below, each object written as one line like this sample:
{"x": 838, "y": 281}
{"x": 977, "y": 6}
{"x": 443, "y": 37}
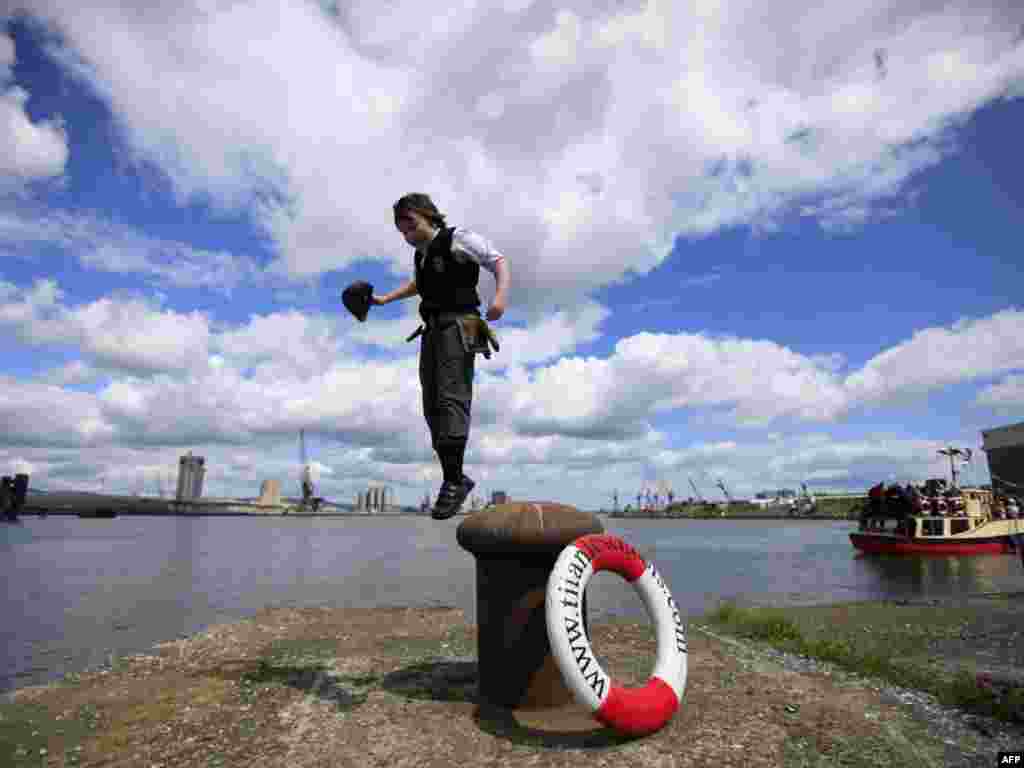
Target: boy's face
{"x": 415, "y": 228}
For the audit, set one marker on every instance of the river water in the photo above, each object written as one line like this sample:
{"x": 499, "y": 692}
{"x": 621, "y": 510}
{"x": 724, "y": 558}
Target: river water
{"x": 78, "y": 591}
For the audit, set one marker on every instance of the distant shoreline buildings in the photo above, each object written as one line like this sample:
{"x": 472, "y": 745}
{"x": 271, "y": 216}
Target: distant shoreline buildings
{"x": 1003, "y": 445}
{"x": 191, "y": 470}
{"x": 377, "y": 500}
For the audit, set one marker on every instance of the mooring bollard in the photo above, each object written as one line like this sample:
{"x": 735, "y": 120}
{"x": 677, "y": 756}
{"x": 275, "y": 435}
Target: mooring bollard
{"x": 516, "y": 546}
{"x": 20, "y": 491}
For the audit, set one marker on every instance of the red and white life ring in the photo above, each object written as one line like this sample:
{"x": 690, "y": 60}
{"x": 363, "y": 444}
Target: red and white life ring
{"x": 634, "y": 711}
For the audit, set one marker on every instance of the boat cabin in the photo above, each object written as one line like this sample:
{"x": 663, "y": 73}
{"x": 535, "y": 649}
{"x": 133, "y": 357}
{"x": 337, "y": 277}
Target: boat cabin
{"x": 977, "y": 510}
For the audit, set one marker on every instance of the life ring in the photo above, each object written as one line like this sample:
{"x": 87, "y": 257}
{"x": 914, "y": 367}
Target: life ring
{"x": 634, "y": 711}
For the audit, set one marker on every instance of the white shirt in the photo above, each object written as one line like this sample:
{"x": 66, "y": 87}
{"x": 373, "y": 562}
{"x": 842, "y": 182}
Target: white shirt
{"x": 469, "y": 245}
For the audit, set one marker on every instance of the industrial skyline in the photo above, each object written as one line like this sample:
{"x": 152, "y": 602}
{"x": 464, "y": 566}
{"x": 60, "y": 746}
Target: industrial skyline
{"x": 1003, "y": 448}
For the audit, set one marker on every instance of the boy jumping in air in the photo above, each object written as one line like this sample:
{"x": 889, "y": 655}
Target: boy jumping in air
{"x": 447, "y": 268}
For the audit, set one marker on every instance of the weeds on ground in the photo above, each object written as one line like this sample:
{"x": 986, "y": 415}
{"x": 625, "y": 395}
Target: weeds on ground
{"x": 771, "y": 626}
{"x": 874, "y": 752}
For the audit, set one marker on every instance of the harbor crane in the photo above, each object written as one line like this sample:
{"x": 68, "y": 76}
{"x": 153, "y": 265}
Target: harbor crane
{"x": 694, "y": 486}
{"x": 725, "y": 491}
{"x": 309, "y": 502}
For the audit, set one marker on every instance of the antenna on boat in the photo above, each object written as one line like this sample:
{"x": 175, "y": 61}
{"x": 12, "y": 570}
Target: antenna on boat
{"x": 953, "y": 452}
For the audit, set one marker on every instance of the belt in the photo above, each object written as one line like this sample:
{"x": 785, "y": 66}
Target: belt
{"x": 474, "y": 333}
{"x": 441, "y": 319}
{"x": 433, "y": 321}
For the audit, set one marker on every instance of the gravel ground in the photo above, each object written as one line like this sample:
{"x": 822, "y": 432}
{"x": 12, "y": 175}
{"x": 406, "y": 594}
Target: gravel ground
{"x": 951, "y": 726}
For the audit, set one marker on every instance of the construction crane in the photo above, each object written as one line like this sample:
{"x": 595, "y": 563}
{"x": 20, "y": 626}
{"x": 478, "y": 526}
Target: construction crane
{"x": 309, "y": 501}
{"x": 693, "y": 485}
{"x": 664, "y": 493}
{"x": 725, "y": 491}
{"x": 807, "y": 501}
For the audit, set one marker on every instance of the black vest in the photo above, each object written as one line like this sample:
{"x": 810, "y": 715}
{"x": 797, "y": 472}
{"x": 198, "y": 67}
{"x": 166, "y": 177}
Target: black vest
{"x": 445, "y": 285}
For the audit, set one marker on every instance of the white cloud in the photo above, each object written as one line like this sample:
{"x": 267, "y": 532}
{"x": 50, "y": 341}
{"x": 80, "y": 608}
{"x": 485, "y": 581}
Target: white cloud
{"x": 279, "y": 371}
{"x": 75, "y": 372}
{"x": 132, "y": 334}
{"x": 32, "y": 413}
{"x": 588, "y": 136}
{"x": 128, "y": 334}
{"x": 580, "y": 471}
{"x": 938, "y": 357}
{"x": 558, "y": 48}
{"x": 111, "y": 247}
{"x": 28, "y": 150}
{"x": 171, "y": 381}
{"x": 296, "y": 345}
{"x": 617, "y": 397}
{"x": 6, "y": 57}
{"x": 1007, "y": 393}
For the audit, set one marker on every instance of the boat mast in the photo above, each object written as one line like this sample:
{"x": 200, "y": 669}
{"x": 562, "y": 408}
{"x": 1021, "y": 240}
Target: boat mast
{"x": 952, "y": 452}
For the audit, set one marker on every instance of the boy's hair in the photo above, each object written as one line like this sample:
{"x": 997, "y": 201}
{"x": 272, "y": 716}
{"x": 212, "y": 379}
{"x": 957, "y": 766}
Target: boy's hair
{"x": 422, "y": 204}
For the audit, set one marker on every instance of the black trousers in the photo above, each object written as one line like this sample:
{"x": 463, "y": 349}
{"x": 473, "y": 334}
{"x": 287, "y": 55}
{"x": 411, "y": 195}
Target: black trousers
{"x": 446, "y": 377}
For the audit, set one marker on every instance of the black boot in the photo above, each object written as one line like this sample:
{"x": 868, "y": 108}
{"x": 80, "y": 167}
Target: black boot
{"x": 450, "y": 498}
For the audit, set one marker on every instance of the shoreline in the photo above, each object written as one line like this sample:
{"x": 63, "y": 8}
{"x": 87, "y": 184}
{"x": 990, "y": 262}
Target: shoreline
{"x": 133, "y": 513}
{"x": 304, "y": 687}
{"x": 741, "y": 517}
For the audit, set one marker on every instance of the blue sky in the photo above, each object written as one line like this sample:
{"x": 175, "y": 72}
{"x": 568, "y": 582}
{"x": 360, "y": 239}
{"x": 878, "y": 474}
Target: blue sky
{"x": 764, "y": 268}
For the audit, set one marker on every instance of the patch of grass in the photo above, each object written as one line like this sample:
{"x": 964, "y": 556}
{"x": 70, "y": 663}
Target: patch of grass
{"x": 834, "y": 650}
{"x": 889, "y": 649}
{"x": 300, "y": 653}
{"x": 247, "y": 727}
{"x": 25, "y": 729}
{"x": 890, "y": 750}
{"x": 965, "y": 691}
{"x": 761, "y": 624}
{"x": 88, "y": 716}
{"x": 458, "y": 641}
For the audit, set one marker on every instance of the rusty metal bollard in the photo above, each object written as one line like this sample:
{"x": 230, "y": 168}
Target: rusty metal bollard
{"x": 516, "y": 546}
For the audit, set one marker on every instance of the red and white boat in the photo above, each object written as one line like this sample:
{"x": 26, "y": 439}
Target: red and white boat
{"x": 974, "y": 527}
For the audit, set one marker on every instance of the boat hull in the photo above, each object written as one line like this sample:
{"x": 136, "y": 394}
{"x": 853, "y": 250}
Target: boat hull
{"x": 888, "y": 543}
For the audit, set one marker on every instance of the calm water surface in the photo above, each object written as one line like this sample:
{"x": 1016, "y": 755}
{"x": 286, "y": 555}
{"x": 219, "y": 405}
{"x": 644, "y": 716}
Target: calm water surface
{"x": 78, "y": 591}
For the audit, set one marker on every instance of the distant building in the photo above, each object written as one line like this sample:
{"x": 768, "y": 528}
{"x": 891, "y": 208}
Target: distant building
{"x": 499, "y": 497}
{"x": 1005, "y": 449}
{"x": 377, "y": 500}
{"x": 270, "y": 493}
{"x": 190, "y": 477}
